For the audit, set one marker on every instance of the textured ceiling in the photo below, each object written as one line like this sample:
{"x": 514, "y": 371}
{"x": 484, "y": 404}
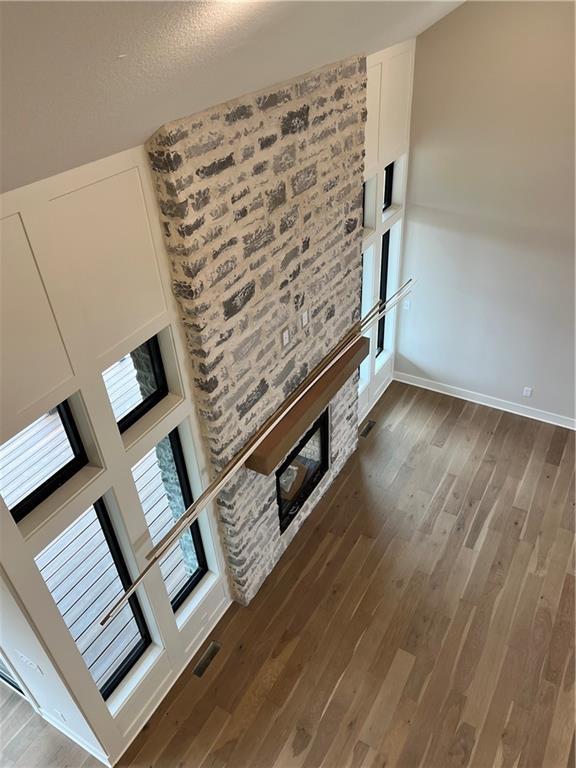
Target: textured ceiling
{"x": 82, "y": 80}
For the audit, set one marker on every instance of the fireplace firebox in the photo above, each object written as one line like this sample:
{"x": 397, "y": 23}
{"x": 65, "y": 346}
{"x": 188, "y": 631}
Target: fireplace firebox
{"x": 302, "y": 470}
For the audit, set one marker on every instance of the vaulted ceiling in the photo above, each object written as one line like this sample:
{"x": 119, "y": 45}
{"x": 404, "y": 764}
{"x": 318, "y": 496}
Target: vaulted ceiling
{"x": 82, "y": 80}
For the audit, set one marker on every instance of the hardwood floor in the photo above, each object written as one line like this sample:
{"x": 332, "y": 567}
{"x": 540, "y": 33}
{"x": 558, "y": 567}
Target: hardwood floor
{"x": 28, "y": 741}
{"x": 423, "y": 616}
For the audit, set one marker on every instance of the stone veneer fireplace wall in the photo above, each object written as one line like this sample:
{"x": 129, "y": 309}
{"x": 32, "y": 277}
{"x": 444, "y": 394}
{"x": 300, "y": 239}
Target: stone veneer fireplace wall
{"x": 261, "y": 206}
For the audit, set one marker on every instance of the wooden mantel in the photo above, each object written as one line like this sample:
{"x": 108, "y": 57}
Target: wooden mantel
{"x": 287, "y": 433}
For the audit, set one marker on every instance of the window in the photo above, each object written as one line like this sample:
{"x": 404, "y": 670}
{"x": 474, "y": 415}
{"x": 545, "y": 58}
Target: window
{"x": 136, "y": 383}
{"x": 39, "y": 459}
{"x": 164, "y": 490}
{"x": 388, "y": 185}
{"x": 383, "y": 287}
{"x": 7, "y": 677}
{"x": 84, "y": 570}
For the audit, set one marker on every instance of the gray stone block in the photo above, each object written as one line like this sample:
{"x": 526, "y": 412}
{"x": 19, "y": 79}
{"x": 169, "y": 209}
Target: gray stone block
{"x": 285, "y": 159}
{"x": 276, "y": 197}
{"x": 258, "y": 239}
{"x": 260, "y": 204}
{"x": 267, "y": 141}
{"x": 304, "y": 179}
{"x": 241, "y": 112}
{"x": 270, "y": 100}
{"x": 205, "y": 171}
{"x": 238, "y": 300}
{"x": 254, "y": 396}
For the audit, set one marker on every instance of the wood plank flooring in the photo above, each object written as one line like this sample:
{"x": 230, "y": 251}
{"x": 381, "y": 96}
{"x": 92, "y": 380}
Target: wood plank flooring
{"x": 28, "y": 741}
{"x": 423, "y": 616}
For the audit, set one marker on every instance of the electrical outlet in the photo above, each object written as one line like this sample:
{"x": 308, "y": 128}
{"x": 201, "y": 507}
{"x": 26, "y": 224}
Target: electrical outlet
{"x": 304, "y": 318}
{"x": 285, "y": 337}
{"x": 527, "y": 392}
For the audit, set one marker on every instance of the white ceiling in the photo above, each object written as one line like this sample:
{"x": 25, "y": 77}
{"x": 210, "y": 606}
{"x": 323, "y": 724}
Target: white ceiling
{"x": 82, "y": 80}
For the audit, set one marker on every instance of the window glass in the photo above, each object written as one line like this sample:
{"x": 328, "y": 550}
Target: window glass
{"x": 136, "y": 383}
{"x": 84, "y": 570}
{"x": 39, "y": 459}
{"x": 383, "y": 286}
{"x": 388, "y": 186}
{"x": 164, "y": 491}
{"x": 6, "y": 675}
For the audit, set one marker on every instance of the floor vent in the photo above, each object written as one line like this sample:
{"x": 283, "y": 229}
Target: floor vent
{"x": 365, "y": 431}
{"x": 206, "y": 659}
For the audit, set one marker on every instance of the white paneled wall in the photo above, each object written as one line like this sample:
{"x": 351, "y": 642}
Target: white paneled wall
{"x": 389, "y": 96}
{"x": 397, "y": 69}
{"x": 84, "y": 282}
{"x": 38, "y": 676}
{"x": 33, "y": 360}
{"x": 100, "y": 266}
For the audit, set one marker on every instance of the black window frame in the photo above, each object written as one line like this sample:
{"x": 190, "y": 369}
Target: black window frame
{"x": 9, "y": 680}
{"x": 61, "y": 476}
{"x": 388, "y": 186}
{"x": 118, "y": 557}
{"x": 322, "y": 423}
{"x": 130, "y": 418}
{"x": 384, "y": 264}
{"x": 185, "y": 487}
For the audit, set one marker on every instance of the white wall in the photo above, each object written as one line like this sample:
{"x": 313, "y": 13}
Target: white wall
{"x": 85, "y": 280}
{"x": 490, "y": 209}
{"x": 387, "y": 137}
{"x": 38, "y": 675}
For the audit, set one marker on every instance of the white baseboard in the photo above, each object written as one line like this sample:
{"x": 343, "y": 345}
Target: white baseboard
{"x": 365, "y": 405}
{"x": 492, "y": 402}
{"x": 382, "y": 388}
{"x": 159, "y": 696}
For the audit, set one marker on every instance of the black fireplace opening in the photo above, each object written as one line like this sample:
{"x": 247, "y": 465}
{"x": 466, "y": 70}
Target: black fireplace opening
{"x": 302, "y": 470}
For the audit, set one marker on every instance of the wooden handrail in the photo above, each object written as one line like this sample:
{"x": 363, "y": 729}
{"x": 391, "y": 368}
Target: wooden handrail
{"x": 378, "y": 311}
